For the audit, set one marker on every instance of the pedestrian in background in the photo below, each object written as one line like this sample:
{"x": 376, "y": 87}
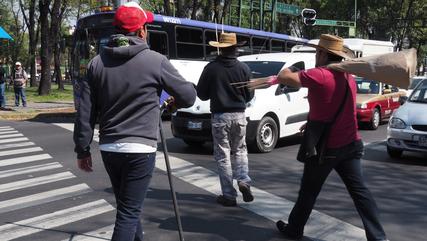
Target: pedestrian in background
{"x": 2, "y": 86}
{"x": 332, "y": 100}
{"x": 19, "y": 82}
{"x": 227, "y": 105}
{"x": 122, "y": 91}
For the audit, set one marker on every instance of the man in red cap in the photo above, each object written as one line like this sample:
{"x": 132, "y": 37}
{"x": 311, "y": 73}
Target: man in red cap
{"x": 122, "y": 90}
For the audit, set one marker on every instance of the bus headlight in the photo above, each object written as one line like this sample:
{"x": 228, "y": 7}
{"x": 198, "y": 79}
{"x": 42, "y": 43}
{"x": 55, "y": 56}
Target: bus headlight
{"x": 396, "y": 123}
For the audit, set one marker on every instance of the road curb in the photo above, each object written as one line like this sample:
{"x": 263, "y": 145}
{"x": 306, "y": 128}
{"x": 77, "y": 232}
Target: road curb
{"x": 37, "y": 114}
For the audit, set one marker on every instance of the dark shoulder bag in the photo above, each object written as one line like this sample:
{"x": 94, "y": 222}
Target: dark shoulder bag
{"x": 316, "y": 135}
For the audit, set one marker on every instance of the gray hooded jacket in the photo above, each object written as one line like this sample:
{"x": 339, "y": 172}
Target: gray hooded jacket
{"x": 122, "y": 90}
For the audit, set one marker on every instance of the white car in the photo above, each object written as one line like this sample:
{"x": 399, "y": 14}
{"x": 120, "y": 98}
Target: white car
{"x": 414, "y": 82}
{"x": 273, "y": 113}
{"x": 407, "y": 128}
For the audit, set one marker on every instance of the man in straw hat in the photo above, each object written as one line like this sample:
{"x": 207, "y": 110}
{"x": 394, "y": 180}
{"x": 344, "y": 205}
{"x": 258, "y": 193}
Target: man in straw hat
{"x": 121, "y": 90}
{"x": 332, "y": 100}
{"x": 228, "y": 104}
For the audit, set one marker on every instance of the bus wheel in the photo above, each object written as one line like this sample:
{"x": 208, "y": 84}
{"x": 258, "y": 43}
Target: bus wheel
{"x": 376, "y": 119}
{"x": 266, "y": 136}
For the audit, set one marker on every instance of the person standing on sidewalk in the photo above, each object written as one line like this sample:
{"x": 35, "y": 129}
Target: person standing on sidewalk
{"x": 19, "y": 81}
{"x": 2, "y": 86}
{"x": 328, "y": 90}
{"x": 227, "y": 105}
{"x": 122, "y": 91}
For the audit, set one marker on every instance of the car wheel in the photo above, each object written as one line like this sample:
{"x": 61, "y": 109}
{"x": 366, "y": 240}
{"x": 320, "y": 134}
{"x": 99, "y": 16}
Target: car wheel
{"x": 395, "y": 153}
{"x": 194, "y": 143}
{"x": 376, "y": 119}
{"x": 267, "y": 134}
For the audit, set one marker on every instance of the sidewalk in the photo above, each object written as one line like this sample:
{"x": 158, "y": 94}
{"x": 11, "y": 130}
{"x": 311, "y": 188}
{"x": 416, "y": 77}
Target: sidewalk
{"x": 37, "y": 110}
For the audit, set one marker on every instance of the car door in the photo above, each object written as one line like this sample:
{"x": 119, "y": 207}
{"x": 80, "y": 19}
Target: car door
{"x": 387, "y": 100}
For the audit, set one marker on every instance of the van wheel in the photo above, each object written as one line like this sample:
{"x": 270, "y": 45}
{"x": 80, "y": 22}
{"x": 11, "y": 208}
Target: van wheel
{"x": 194, "y": 143}
{"x": 376, "y": 119}
{"x": 394, "y": 153}
{"x": 266, "y": 136}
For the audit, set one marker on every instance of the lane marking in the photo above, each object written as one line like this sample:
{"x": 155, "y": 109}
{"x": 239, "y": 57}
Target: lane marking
{"x": 43, "y": 197}
{"x": 14, "y": 140}
{"x": 29, "y": 169}
{"x": 20, "y": 151}
{"x": 104, "y": 233}
{"x": 13, "y": 145}
{"x": 25, "y": 159}
{"x": 31, "y": 182}
{"x": 10, "y": 135}
{"x": 48, "y": 221}
{"x": 8, "y": 132}
{"x": 270, "y": 206}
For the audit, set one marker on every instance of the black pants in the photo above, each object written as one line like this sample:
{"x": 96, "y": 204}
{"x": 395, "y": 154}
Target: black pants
{"x": 130, "y": 175}
{"x": 346, "y": 162}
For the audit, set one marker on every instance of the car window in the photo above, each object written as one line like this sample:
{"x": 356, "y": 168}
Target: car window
{"x": 261, "y": 69}
{"x": 420, "y": 93}
{"x": 414, "y": 82}
{"x": 365, "y": 86}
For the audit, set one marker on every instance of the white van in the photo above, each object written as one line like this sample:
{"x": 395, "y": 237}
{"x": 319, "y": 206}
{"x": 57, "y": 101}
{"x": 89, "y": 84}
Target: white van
{"x": 274, "y": 112}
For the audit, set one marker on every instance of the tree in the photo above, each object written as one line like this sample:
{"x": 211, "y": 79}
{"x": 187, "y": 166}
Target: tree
{"x": 45, "y": 53}
{"x": 58, "y": 9}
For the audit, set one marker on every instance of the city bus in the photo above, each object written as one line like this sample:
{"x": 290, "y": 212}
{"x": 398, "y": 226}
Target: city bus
{"x": 183, "y": 41}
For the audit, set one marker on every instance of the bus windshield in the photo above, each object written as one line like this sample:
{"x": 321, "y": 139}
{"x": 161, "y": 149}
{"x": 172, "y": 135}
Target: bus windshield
{"x": 262, "y": 69}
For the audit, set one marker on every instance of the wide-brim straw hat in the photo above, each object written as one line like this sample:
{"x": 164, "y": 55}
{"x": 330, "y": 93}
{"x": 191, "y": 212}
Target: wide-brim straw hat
{"x": 227, "y": 40}
{"x": 334, "y": 45}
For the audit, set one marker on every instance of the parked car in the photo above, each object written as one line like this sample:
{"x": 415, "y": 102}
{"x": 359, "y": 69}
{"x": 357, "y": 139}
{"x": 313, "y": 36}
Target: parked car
{"x": 376, "y": 101}
{"x": 274, "y": 112}
{"x": 407, "y": 128}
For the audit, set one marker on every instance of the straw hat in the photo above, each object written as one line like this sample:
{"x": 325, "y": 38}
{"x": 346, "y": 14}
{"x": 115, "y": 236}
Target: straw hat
{"x": 226, "y": 40}
{"x": 334, "y": 45}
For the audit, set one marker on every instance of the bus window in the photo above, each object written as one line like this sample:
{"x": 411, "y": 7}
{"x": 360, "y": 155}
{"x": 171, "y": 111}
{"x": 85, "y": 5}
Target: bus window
{"x": 189, "y": 43}
{"x": 158, "y": 42}
{"x": 260, "y": 45}
{"x": 289, "y": 46}
{"x": 245, "y": 49}
{"x": 278, "y": 46}
{"x": 211, "y": 52}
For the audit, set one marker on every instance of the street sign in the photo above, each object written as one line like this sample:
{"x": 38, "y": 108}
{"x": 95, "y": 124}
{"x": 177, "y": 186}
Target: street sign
{"x": 335, "y": 23}
{"x": 288, "y": 9}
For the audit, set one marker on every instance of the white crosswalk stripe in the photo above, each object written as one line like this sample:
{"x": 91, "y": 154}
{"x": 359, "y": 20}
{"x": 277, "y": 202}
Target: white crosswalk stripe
{"x": 26, "y": 159}
{"x": 5, "y": 127}
{"x": 43, "y": 197}
{"x": 13, "y": 145}
{"x": 16, "y": 149}
{"x": 104, "y": 233}
{"x": 10, "y": 135}
{"x": 31, "y": 182}
{"x": 52, "y": 220}
{"x": 20, "y": 151}
{"x": 13, "y": 140}
{"x": 29, "y": 169}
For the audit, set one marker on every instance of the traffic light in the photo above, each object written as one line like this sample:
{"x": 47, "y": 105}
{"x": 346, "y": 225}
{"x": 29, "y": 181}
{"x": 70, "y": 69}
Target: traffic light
{"x": 309, "y": 16}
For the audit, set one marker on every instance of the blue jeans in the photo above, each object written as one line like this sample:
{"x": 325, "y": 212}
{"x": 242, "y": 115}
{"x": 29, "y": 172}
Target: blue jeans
{"x": 2, "y": 95}
{"x": 130, "y": 175}
{"x": 346, "y": 162}
{"x": 20, "y": 93}
{"x": 230, "y": 151}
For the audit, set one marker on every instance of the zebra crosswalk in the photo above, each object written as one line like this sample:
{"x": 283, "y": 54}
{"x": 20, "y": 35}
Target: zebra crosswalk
{"x": 23, "y": 168}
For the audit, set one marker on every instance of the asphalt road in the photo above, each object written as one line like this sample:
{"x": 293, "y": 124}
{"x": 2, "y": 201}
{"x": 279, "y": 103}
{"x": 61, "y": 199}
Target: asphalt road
{"x": 43, "y": 196}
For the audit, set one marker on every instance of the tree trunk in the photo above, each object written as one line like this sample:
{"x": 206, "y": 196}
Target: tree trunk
{"x": 45, "y": 56}
{"x": 167, "y": 8}
{"x": 194, "y": 9}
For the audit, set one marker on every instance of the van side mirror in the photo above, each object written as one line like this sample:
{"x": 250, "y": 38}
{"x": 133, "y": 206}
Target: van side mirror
{"x": 403, "y": 99}
{"x": 284, "y": 89}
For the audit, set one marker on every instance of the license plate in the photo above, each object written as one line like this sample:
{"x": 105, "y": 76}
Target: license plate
{"x": 194, "y": 125}
{"x": 422, "y": 141}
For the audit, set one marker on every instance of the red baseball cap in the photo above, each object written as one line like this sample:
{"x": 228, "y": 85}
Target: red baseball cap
{"x": 130, "y": 17}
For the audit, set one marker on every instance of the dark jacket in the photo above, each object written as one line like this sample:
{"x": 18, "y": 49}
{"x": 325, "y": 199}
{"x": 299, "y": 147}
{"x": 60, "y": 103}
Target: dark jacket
{"x": 214, "y": 84}
{"x": 122, "y": 90}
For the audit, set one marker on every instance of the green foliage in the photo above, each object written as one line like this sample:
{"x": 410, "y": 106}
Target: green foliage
{"x": 33, "y": 96}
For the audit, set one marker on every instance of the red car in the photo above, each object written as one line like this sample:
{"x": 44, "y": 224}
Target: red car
{"x": 376, "y": 101}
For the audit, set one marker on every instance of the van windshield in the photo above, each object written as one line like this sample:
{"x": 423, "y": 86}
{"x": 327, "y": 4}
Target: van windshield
{"x": 262, "y": 69}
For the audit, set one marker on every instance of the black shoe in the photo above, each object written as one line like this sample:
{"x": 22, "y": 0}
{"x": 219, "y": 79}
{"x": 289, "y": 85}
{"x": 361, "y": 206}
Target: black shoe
{"x": 245, "y": 189}
{"x": 282, "y": 226}
{"x": 226, "y": 201}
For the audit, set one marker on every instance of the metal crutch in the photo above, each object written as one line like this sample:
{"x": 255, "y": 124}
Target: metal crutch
{"x": 166, "y": 154}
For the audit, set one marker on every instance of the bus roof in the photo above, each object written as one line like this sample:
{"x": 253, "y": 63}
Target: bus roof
{"x": 201, "y": 24}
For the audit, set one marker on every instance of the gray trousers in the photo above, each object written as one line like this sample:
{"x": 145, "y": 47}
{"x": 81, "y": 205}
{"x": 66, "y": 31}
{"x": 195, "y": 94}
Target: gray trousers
{"x": 230, "y": 151}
